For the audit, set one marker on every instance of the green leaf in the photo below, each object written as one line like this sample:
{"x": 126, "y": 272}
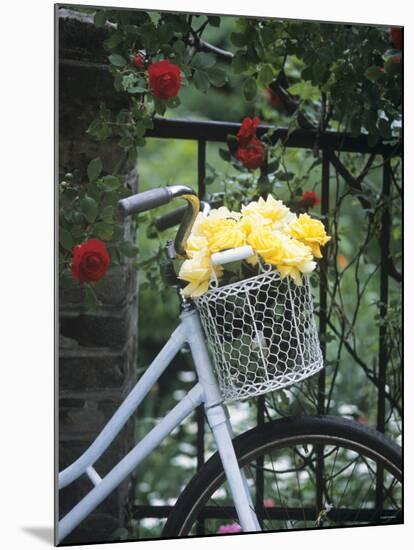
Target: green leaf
{"x": 65, "y": 238}
{"x": 373, "y": 73}
{"x": 107, "y": 214}
{"x": 203, "y": 60}
{"x": 114, "y": 40}
{"x": 94, "y": 169}
{"x": 268, "y": 35}
{"x": 173, "y": 102}
{"x": 305, "y": 90}
{"x": 118, "y": 233}
{"x": 117, "y": 60}
{"x": 91, "y": 300}
{"x": 139, "y": 129}
{"x": 239, "y": 62}
{"x": 103, "y": 230}
{"x": 128, "y": 249}
{"x": 201, "y": 81}
{"x": 214, "y": 20}
{"x": 250, "y": 88}
{"x": 137, "y": 90}
{"x": 160, "y": 106}
{"x": 232, "y": 143}
{"x": 392, "y": 66}
{"x": 238, "y": 39}
{"x": 148, "y": 122}
{"x": 99, "y": 18}
{"x": 179, "y": 48}
{"x": 319, "y": 72}
{"x": 89, "y": 208}
{"x": 266, "y": 74}
{"x": 273, "y": 166}
{"x": 217, "y": 77}
{"x": 109, "y": 183}
{"x": 225, "y": 154}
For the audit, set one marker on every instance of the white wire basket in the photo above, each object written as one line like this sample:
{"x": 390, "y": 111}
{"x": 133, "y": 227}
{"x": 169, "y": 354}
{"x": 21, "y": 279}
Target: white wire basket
{"x": 262, "y": 334}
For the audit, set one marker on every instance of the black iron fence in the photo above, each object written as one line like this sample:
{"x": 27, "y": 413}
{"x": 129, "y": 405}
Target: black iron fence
{"x": 329, "y": 146}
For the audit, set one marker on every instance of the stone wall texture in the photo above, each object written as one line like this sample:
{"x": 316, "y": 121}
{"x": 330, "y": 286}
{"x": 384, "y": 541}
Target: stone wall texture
{"x": 97, "y": 352}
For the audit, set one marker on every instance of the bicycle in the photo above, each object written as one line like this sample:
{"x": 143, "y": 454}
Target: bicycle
{"x": 290, "y": 473}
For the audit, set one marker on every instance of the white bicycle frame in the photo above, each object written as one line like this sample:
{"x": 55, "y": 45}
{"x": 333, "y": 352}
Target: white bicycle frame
{"x": 206, "y": 392}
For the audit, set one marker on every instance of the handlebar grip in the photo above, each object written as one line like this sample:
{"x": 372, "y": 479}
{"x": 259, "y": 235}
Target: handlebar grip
{"x": 142, "y": 202}
{"x": 170, "y": 218}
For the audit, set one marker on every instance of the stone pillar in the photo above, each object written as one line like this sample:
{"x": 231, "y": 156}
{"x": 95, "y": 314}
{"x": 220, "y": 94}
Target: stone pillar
{"x": 97, "y": 352}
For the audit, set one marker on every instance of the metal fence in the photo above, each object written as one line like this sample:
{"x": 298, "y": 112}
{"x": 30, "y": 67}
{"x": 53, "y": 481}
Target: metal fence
{"x": 329, "y": 145}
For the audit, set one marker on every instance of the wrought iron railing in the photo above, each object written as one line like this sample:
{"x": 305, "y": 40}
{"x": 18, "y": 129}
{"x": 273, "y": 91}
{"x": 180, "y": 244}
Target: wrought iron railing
{"x": 329, "y": 145}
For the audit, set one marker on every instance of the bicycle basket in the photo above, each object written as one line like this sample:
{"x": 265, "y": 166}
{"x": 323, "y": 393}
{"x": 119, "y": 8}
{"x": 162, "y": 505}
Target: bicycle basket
{"x": 262, "y": 334}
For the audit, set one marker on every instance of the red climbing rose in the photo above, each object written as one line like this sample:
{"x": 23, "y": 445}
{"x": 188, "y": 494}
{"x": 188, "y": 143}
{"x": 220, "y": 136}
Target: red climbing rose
{"x": 90, "y": 261}
{"x": 138, "y": 60}
{"x": 253, "y": 155}
{"x": 247, "y": 130}
{"x": 165, "y": 79}
{"x": 396, "y": 37}
{"x": 309, "y": 199}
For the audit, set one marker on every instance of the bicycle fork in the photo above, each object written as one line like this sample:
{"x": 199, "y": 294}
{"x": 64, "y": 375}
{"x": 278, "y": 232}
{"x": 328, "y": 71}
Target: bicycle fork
{"x": 219, "y": 423}
{"x": 220, "y": 426}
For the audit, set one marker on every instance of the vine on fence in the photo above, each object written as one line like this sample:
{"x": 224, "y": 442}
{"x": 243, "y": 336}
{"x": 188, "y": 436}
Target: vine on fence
{"x": 322, "y": 76}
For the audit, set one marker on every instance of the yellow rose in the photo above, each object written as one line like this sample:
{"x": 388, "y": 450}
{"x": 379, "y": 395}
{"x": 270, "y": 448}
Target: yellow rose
{"x": 267, "y": 244}
{"x": 272, "y": 209}
{"x": 252, "y": 222}
{"x": 297, "y": 259}
{"x": 197, "y": 272}
{"x": 224, "y": 234}
{"x": 310, "y": 232}
{"x": 195, "y": 244}
{"x": 203, "y": 221}
{"x": 289, "y": 256}
{"x": 219, "y": 229}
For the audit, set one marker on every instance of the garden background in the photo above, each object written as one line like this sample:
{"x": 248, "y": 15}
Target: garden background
{"x": 357, "y": 69}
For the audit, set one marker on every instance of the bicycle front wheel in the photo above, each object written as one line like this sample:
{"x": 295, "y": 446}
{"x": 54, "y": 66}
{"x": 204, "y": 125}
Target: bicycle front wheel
{"x": 303, "y": 472}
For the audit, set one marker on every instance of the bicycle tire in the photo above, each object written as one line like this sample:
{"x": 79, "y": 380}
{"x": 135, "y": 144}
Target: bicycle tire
{"x": 281, "y": 434}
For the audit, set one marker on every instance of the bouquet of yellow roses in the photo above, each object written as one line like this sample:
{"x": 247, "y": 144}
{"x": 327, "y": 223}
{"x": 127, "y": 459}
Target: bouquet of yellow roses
{"x": 278, "y": 237}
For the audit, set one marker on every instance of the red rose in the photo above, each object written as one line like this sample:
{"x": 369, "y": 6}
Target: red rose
{"x": 396, "y": 37}
{"x": 396, "y": 58}
{"x": 247, "y": 130}
{"x": 165, "y": 79}
{"x": 253, "y": 155}
{"x": 138, "y": 60}
{"x": 309, "y": 199}
{"x": 90, "y": 261}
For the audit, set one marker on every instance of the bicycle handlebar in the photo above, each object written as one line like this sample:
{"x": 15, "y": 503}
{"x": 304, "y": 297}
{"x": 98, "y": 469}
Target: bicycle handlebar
{"x": 232, "y": 255}
{"x": 144, "y": 201}
{"x": 153, "y": 198}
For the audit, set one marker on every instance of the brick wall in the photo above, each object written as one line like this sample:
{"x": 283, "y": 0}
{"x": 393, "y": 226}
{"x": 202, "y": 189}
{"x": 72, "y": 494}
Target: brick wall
{"x": 97, "y": 352}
